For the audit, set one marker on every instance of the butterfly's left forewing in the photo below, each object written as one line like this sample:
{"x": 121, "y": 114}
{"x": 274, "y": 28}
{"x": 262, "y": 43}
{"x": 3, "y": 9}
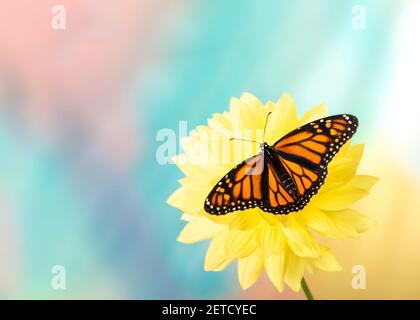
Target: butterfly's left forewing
{"x": 239, "y": 189}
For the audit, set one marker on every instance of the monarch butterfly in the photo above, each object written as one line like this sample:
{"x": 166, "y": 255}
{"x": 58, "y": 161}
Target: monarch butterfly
{"x": 283, "y": 177}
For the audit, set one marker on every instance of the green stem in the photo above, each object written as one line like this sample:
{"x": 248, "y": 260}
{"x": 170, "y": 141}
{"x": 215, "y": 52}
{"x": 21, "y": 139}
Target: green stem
{"x": 305, "y": 288}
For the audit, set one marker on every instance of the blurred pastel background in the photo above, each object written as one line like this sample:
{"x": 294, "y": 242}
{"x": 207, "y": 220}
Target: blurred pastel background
{"x": 80, "y": 109}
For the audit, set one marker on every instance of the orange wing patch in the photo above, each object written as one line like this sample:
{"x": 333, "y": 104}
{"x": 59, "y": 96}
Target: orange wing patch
{"x": 315, "y": 146}
{"x": 321, "y": 138}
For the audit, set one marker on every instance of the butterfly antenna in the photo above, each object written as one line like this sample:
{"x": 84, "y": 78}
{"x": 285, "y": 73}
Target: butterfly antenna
{"x": 265, "y": 127}
{"x": 266, "y": 122}
{"x": 243, "y": 140}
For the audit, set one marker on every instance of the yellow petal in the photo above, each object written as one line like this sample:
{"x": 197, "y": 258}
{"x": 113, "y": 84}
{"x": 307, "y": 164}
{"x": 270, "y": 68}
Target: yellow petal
{"x": 256, "y": 108}
{"x": 216, "y": 258}
{"x": 299, "y": 239}
{"x": 339, "y": 198}
{"x": 183, "y": 200}
{"x": 354, "y": 152}
{"x": 270, "y": 239}
{"x": 220, "y": 124}
{"x": 282, "y": 120}
{"x": 199, "y": 154}
{"x": 193, "y": 183}
{"x": 341, "y": 154}
{"x": 187, "y": 217}
{"x": 350, "y": 221}
{"x": 198, "y": 229}
{"x": 326, "y": 261}
{"x": 363, "y": 182}
{"x": 274, "y": 266}
{"x": 315, "y": 113}
{"x": 309, "y": 267}
{"x": 186, "y": 166}
{"x": 240, "y": 244}
{"x": 317, "y": 220}
{"x": 249, "y": 269}
{"x": 225, "y": 219}
{"x": 272, "y": 219}
{"x": 241, "y": 117}
{"x": 295, "y": 267}
{"x": 174, "y": 197}
{"x": 288, "y": 107}
{"x": 340, "y": 173}
{"x": 245, "y": 220}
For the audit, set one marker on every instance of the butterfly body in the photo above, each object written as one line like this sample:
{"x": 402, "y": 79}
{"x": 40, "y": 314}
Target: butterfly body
{"x": 271, "y": 156}
{"x": 282, "y": 178}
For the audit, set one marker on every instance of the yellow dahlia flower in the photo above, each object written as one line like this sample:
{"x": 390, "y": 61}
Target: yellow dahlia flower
{"x": 283, "y": 245}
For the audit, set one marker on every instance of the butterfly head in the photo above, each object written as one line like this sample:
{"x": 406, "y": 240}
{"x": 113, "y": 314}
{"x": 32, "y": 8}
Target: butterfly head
{"x": 267, "y": 150}
{"x": 263, "y": 146}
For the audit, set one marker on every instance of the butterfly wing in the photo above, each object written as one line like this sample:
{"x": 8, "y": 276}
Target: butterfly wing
{"x": 305, "y": 152}
{"x": 240, "y": 189}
